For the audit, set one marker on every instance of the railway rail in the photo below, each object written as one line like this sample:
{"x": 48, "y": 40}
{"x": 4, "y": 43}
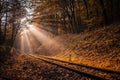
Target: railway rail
{"x": 88, "y": 71}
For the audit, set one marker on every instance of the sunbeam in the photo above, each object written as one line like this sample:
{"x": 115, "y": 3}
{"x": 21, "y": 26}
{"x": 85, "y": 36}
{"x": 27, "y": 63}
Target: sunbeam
{"x": 22, "y": 44}
{"x": 41, "y": 36}
{"x": 27, "y": 41}
{"x": 31, "y": 35}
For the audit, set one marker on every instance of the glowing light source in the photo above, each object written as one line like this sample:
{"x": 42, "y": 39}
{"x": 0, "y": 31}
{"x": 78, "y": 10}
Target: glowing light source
{"x": 23, "y": 19}
{"x": 29, "y": 11}
{"x": 30, "y": 25}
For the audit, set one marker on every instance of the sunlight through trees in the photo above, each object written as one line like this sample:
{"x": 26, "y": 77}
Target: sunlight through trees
{"x": 59, "y": 39}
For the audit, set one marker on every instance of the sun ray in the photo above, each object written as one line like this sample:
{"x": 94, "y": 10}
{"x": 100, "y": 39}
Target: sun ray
{"x": 33, "y": 37}
{"x": 22, "y": 45}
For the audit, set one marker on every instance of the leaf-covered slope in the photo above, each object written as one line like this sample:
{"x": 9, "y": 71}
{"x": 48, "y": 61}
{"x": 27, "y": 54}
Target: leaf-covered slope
{"x": 99, "y": 47}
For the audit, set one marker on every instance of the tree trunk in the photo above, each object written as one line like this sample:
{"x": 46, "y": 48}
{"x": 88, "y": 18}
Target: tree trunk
{"x": 64, "y": 23}
{"x": 111, "y": 8}
{"x": 86, "y": 6}
{"x": 5, "y": 29}
{"x": 104, "y": 14}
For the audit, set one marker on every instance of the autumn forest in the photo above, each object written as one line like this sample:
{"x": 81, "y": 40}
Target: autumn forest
{"x": 59, "y": 39}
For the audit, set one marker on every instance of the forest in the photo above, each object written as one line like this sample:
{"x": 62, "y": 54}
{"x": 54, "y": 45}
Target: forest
{"x": 79, "y": 31}
{"x": 57, "y": 16}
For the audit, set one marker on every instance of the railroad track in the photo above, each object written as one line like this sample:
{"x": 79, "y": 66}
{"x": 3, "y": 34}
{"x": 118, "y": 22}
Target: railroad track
{"x": 88, "y": 71}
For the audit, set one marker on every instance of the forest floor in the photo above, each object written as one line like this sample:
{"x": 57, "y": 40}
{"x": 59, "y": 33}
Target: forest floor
{"x": 99, "y": 47}
{"x": 23, "y": 67}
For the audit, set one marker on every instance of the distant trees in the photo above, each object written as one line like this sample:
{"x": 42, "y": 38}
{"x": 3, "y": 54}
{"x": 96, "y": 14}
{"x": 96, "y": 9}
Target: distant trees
{"x": 11, "y": 12}
{"x": 57, "y": 16}
{"x": 72, "y": 16}
{"x": 104, "y": 14}
{"x": 86, "y": 6}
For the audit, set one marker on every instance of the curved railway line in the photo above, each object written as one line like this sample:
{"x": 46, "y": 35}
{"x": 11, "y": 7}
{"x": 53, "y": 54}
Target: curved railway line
{"x": 87, "y": 71}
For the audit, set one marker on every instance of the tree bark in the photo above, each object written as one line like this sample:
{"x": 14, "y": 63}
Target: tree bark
{"x": 86, "y": 6}
{"x": 104, "y": 14}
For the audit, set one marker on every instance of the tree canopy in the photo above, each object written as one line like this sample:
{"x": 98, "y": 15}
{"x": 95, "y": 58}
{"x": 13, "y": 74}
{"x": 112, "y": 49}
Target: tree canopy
{"x": 56, "y": 16}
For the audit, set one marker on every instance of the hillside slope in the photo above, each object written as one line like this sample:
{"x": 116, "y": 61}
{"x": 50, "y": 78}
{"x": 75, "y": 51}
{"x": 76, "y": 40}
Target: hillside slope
{"x": 99, "y": 47}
